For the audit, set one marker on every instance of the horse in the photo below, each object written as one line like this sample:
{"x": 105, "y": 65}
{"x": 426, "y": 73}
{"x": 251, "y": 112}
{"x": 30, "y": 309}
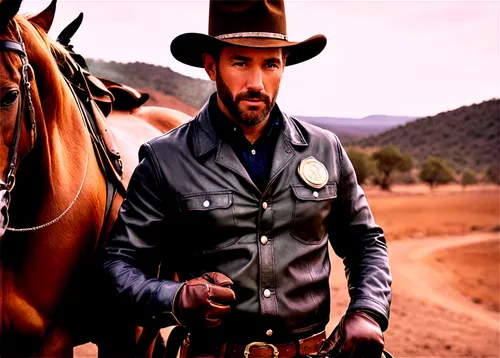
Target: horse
{"x": 53, "y": 192}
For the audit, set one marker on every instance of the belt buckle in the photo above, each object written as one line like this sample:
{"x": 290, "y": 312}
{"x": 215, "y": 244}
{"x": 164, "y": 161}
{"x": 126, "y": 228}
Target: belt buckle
{"x": 263, "y": 345}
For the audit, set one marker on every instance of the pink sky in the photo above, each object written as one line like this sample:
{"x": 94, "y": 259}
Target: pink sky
{"x": 394, "y": 57}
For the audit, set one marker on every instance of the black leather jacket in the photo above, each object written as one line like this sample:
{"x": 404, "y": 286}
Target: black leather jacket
{"x": 192, "y": 208}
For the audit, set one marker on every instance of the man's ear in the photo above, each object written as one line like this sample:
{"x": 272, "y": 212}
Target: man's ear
{"x": 210, "y": 66}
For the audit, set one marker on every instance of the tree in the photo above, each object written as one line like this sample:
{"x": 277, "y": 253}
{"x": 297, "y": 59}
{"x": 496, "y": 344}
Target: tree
{"x": 435, "y": 171}
{"x": 493, "y": 174}
{"x": 468, "y": 178}
{"x": 363, "y": 165}
{"x": 390, "y": 159}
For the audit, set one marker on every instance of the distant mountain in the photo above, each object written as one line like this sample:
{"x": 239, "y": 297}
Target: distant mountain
{"x": 170, "y": 89}
{"x": 467, "y": 137}
{"x": 352, "y": 129}
{"x": 157, "y": 98}
{"x": 192, "y": 91}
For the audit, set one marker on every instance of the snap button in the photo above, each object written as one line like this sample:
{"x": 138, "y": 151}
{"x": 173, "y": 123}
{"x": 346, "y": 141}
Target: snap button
{"x": 253, "y": 152}
{"x": 267, "y": 293}
{"x": 264, "y": 205}
{"x": 269, "y": 332}
{"x": 264, "y": 240}
{"x": 206, "y": 203}
{"x": 315, "y": 194}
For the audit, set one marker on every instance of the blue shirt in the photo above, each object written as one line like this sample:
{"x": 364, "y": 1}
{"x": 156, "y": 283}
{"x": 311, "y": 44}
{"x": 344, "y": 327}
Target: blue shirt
{"x": 257, "y": 157}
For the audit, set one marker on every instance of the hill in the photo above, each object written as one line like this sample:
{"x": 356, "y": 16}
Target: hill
{"x": 157, "y": 98}
{"x": 170, "y": 89}
{"x": 192, "y": 91}
{"x": 352, "y": 129}
{"x": 467, "y": 137}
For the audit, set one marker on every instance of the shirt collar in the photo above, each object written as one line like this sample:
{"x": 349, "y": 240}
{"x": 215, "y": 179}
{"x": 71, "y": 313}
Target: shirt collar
{"x": 204, "y": 138}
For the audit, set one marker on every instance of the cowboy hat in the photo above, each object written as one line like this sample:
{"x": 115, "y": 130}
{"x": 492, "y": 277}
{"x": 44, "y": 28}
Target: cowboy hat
{"x": 248, "y": 23}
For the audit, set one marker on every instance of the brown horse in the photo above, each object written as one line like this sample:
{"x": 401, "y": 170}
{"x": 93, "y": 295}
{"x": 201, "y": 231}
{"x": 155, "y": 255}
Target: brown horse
{"x": 52, "y": 191}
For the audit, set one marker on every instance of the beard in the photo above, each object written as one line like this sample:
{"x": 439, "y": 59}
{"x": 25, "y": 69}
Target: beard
{"x": 248, "y": 117}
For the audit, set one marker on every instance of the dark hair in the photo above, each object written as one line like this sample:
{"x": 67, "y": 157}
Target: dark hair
{"x": 215, "y": 53}
{"x": 284, "y": 54}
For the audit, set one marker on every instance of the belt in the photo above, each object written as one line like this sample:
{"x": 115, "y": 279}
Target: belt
{"x": 309, "y": 345}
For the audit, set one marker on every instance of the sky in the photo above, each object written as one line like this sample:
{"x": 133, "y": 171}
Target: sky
{"x": 415, "y": 58}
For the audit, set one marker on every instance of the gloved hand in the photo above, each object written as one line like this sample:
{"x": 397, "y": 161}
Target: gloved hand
{"x": 203, "y": 301}
{"x": 356, "y": 336}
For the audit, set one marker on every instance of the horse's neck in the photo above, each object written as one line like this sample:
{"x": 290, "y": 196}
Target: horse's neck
{"x": 53, "y": 171}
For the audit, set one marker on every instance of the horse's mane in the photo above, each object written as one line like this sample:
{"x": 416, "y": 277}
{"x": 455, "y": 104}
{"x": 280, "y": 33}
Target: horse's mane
{"x": 39, "y": 46}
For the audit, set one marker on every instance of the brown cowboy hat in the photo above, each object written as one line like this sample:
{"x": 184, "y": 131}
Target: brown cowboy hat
{"x": 248, "y": 23}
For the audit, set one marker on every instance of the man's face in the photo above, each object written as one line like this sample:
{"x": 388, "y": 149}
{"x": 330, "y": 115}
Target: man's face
{"x": 248, "y": 81}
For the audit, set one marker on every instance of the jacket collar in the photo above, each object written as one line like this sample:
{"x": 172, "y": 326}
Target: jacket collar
{"x": 204, "y": 138}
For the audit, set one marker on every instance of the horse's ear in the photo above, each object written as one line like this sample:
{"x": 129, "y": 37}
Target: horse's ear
{"x": 67, "y": 33}
{"x": 8, "y": 9}
{"x": 45, "y": 18}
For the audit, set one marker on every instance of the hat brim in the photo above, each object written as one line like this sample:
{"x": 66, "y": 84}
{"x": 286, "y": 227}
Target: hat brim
{"x": 189, "y": 48}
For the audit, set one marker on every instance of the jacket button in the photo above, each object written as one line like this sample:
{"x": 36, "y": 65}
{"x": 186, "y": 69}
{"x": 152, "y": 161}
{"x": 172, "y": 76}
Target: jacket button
{"x": 269, "y": 332}
{"x": 315, "y": 194}
{"x": 267, "y": 293}
{"x": 264, "y": 205}
{"x": 264, "y": 240}
{"x": 206, "y": 203}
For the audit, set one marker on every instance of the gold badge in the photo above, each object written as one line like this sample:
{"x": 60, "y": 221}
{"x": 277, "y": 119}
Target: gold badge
{"x": 313, "y": 172}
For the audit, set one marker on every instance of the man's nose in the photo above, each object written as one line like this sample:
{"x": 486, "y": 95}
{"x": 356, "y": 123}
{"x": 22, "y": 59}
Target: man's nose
{"x": 254, "y": 81}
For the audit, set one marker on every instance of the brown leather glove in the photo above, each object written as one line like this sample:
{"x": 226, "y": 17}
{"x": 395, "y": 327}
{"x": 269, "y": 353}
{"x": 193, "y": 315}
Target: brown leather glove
{"x": 203, "y": 301}
{"x": 356, "y": 336}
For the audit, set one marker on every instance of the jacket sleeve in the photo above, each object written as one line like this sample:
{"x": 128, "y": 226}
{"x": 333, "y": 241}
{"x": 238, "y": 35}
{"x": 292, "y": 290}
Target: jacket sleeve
{"x": 131, "y": 256}
{"x": 361, "y": 244}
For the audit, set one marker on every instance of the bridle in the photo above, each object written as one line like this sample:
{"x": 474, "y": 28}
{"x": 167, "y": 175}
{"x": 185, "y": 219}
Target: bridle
{"x": 23, "y": 100}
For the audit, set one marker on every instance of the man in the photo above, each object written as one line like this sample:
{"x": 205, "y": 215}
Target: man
{"x": 240, "y": 203}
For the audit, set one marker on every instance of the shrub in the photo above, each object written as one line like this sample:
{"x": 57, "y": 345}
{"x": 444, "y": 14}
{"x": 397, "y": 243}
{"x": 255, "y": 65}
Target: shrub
{"x": 363, "y": 165}
{"x": 468, "y": 178}
{"x": 493, "y": 174}
{"x": 388, "y": 160}
{"x": 435, "y": 171}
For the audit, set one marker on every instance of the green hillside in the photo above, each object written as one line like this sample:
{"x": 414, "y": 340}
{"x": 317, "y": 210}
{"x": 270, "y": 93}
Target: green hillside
{"x": 467, "y": 137}
{"x": 191, "y": 91}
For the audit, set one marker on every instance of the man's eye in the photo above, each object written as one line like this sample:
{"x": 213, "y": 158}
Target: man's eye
{"x": 239, "y": 64}
{"x": 271, "y": 65}
{"x": 8, "y": 98}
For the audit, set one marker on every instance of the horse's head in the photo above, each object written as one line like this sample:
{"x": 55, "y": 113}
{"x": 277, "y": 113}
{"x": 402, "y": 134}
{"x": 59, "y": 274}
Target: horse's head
{"x": 19, "y": 100}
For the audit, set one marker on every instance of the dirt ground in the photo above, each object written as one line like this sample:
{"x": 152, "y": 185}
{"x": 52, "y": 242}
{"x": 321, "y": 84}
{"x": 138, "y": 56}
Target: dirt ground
{"x": 472, "y": 271}
{"x": 446, "y": 287}
{"x": 413, "y": 211}
{"x": 429, "y": 316}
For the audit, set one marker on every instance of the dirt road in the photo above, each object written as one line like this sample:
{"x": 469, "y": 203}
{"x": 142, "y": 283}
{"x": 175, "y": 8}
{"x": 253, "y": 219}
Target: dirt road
{"x": 429, "y": 318}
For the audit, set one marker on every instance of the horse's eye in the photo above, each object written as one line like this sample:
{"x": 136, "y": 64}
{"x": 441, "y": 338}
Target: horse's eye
{"x": 8, "y": 98}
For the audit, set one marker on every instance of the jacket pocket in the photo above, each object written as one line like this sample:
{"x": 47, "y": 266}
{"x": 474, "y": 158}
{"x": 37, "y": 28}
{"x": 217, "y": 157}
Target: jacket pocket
{"x": 311, "y": 208}
{"x": 206, "y": 201}
{"x": 208, "y": 220}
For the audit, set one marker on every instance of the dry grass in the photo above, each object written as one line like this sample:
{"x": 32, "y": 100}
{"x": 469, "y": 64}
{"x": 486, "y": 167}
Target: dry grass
{"x": 416, "y": 211}
{"x": 475, "y": 271}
